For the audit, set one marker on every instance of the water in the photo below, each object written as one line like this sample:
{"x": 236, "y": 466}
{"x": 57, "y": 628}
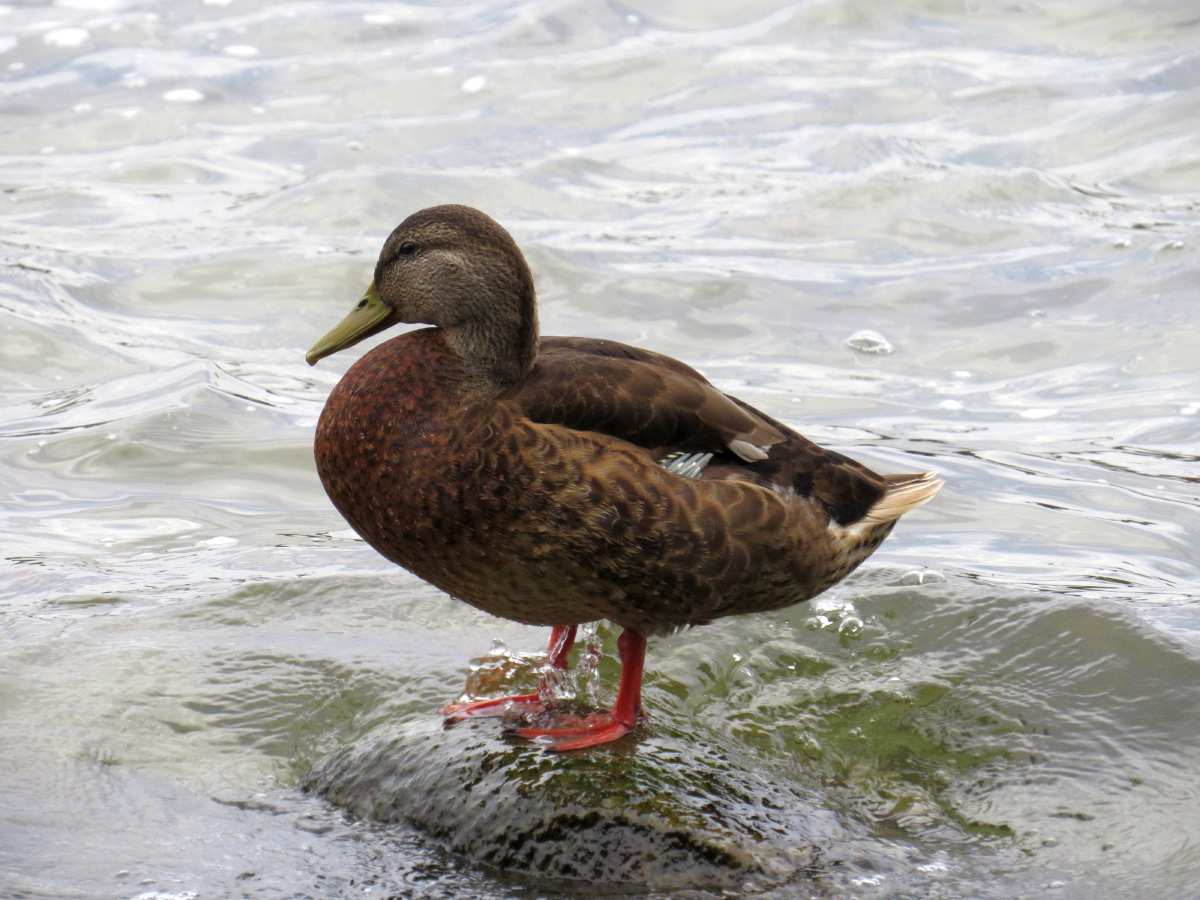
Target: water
{"x": 1002, "y": 704}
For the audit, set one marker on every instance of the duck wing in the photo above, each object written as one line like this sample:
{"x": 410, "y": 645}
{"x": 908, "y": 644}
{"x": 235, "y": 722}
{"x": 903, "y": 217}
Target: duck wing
{"x": 665, "y": 405}
{"x": 645, "y": 398}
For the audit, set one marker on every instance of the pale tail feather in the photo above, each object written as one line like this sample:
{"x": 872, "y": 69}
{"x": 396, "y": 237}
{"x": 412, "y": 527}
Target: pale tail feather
{"x": 905, "y": 493}
{"x": 854, "y": 543}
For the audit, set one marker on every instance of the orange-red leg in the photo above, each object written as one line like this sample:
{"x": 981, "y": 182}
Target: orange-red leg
{"x": 604, "y": 727}
{"x": 562, "y": 638}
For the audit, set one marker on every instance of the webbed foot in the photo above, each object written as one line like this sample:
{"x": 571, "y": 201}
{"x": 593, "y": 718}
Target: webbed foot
{"x": 522, "y": 704}
{"x": 561, "y": 640}
{"x": 596, "y": 729}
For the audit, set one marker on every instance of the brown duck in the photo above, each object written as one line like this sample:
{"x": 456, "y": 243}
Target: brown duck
{"x": 561, "y": 480}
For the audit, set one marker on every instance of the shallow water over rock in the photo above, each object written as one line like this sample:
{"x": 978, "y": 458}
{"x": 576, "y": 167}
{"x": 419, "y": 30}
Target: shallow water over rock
{"x": 654, "y": 812}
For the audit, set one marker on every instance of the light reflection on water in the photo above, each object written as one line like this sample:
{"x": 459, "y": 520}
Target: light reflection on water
{"x": 1007, "y": 194}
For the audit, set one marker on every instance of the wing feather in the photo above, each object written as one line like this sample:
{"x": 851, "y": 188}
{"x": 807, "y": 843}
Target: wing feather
{"x": 665, "y": 406}
{"x": 638, "y": 396}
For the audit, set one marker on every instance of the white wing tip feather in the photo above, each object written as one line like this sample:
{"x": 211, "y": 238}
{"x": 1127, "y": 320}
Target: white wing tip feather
{"x": 747, "y": 451}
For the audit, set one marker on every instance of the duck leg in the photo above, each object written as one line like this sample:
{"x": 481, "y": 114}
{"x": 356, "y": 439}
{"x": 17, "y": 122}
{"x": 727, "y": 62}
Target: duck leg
{"x": 600, "y": 728}
{"x": 562, "y": 638}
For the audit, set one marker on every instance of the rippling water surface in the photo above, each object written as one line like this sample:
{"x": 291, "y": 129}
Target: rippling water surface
{"x": 1005, "y": 702}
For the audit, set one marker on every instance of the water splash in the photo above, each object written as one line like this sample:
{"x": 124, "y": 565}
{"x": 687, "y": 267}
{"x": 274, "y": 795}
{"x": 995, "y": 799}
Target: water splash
{"x": 555, "y": 685}
{"x": 498, "y": 673}
{"x": 580, "y": 681}
{"x": 588, "y": 668}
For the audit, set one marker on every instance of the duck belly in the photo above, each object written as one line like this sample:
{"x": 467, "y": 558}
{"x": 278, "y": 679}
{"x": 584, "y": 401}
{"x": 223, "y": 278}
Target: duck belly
{"x": 539, "y": 547}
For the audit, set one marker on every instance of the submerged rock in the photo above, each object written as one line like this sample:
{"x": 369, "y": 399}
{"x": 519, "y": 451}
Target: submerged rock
{"x": 650, "y": 812}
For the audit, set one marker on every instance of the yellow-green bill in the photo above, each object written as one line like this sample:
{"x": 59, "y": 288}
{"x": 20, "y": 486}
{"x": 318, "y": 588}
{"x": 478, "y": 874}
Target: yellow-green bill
{"x": 369, "y": 316}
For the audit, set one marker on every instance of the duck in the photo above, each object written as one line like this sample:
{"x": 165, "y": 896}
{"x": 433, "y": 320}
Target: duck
{"x": 557, "y": 481}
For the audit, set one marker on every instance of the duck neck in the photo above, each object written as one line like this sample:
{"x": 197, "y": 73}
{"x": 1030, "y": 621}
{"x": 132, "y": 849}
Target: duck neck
{"x": 499, "y": 350}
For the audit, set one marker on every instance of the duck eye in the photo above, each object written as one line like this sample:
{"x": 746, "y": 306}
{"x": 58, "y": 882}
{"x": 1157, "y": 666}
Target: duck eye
{"x": 408, "y": 248}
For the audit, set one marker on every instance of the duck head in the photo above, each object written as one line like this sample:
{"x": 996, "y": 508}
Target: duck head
{"x": 455, "y": 268}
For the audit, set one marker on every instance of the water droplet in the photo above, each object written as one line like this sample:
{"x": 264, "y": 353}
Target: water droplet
{"x": 951, "y": 404}
{"x": 243, "y": 50}
{"x": 868, "y": 341}
{"x": 474, "y": 83}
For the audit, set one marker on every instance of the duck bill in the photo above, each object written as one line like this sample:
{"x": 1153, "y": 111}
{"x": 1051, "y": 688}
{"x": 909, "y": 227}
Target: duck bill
{"x": 369, "y": 316}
